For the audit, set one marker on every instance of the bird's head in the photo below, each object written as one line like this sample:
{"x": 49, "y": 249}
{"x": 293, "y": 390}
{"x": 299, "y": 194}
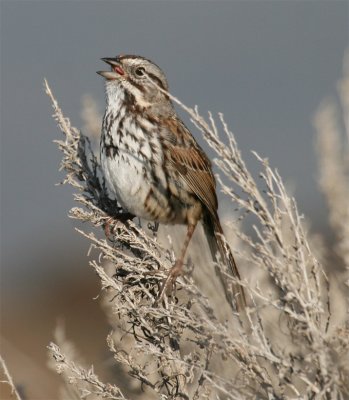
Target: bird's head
{"x": 138, "y": 77}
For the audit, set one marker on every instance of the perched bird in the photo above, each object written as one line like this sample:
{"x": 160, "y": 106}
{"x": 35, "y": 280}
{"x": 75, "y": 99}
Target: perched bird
{"x": 152, "y": 163}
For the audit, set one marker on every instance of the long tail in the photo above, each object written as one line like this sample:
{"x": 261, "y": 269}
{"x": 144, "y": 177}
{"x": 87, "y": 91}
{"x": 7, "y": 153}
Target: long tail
{"x": 215, "y": 238}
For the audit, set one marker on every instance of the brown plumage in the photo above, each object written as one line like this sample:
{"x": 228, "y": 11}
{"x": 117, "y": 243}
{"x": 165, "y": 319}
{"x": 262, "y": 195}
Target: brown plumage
{"x": 157, "y": 170}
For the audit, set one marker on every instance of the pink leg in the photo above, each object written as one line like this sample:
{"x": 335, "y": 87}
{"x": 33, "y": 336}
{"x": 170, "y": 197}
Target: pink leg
{"x": 177, "y": 269}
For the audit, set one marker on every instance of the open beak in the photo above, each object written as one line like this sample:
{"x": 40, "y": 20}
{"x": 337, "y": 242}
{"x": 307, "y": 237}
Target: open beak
{"x": 116, "y": 67}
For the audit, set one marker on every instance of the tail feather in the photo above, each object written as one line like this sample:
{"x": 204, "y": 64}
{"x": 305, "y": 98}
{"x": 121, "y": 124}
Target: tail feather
{"x": 218, "y": 246}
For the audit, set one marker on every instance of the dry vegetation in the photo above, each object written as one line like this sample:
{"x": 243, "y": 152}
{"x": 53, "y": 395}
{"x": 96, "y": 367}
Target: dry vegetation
{"x": 293, "y": 340}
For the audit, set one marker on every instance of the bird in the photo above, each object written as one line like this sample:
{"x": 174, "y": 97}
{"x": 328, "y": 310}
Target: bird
{"x": 154, "y": 166}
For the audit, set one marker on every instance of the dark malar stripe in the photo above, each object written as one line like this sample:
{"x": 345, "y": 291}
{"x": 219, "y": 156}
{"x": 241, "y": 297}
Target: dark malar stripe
{"x": 136, "y": 85}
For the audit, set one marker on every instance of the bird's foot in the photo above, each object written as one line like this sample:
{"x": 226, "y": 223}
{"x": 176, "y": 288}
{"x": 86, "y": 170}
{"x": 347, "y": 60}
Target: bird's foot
{"x": 109, "y": 223}
{"x": 169, "y": 283}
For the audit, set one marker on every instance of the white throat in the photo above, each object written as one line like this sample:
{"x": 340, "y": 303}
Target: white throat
{"x": 115, "y": 95}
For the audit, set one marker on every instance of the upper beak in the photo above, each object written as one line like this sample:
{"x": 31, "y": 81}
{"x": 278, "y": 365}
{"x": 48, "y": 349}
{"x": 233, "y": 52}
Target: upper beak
{"x": 116, "y": 69}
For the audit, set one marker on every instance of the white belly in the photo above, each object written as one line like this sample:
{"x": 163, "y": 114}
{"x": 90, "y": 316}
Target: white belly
{"x": 126, "y": 181}
{"x": 128, "y": 170}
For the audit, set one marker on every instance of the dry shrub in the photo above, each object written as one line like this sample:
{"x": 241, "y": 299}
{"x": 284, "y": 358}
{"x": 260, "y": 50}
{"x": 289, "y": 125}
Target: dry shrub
{"x": 293, "y": 340}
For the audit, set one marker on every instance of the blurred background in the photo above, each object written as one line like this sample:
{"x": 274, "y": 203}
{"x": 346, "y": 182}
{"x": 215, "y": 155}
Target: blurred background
{"x": 266, "y": 65}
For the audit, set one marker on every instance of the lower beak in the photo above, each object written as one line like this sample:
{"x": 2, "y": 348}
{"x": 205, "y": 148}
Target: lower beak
{"x": 109, "y": 74}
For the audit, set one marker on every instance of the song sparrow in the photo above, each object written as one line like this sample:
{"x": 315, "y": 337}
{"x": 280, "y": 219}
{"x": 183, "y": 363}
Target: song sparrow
{"x": 153, "y": 164}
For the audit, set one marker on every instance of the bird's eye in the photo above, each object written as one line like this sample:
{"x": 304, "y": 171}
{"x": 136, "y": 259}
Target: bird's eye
{"x": 140, "y": 71}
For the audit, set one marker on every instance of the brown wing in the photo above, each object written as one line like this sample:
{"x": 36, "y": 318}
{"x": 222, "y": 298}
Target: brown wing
{"x": 192, "y": 164}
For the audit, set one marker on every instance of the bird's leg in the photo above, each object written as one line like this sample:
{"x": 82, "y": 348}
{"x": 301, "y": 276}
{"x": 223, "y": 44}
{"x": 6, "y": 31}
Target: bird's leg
{"x": 176, "y": 270}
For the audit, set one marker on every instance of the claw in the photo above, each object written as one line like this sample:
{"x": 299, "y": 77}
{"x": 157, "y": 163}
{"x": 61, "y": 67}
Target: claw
{"x": 169, "y": 283}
